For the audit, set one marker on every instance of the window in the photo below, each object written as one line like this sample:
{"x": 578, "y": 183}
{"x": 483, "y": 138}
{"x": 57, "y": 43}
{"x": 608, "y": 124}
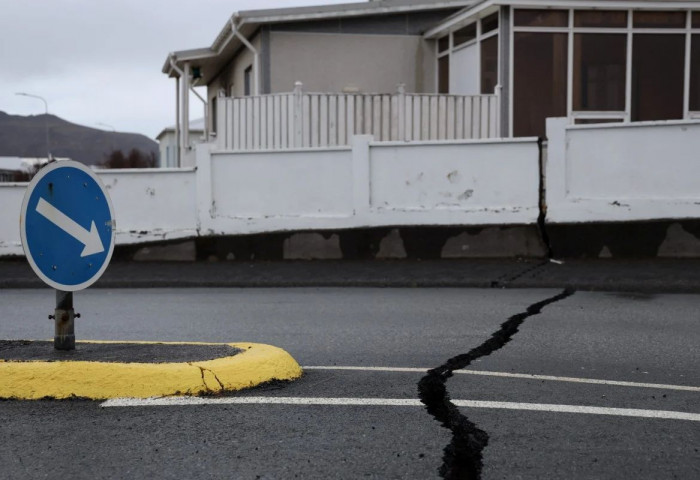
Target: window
{"x": 658, "y": 19}
{"x": 541, "y": 18}
{"x": 599, "y": 71}
{"x": 489, "y": 65}
{"x": 443, "y": 44}
{"x": 593, "y": 121}
{"x": 695, "y": 73}
{"x": 464, "y": 35}
{"x": 213, "y": 114}
{"x": 444, "y": 74}
{"x": 539, "y": 81}
{"x": 696, "y": 20}
{"x": 489, "y": 23}
{"x": 247, "y": 80}
{"x": 600, "y": 19}
{"x": 657, "y": 76}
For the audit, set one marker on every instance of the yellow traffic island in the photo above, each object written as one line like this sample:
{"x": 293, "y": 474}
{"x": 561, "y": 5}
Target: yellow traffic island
{"x": 32, "y": 370}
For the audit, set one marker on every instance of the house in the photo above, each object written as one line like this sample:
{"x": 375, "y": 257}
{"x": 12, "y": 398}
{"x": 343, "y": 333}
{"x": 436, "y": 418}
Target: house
{"x": 351, "y": 48}
{"x": 168, "y": 143}
{"x": 12, "y": 168}
{"x": 533, "y": 121}
{"x": 592, "y": 61}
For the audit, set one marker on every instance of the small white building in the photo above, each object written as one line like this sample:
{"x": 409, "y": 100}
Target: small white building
{"x": 168, "y": 145}
{"x": 10, "y": 166}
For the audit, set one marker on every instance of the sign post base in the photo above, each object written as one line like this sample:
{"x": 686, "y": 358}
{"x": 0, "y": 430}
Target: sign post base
{"x": 64, "y": 315}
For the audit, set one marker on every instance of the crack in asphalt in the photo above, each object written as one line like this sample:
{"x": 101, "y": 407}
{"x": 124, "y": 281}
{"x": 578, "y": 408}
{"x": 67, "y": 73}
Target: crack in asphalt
{"x": 462, "y": 457}
{"x": 504, "y": 281}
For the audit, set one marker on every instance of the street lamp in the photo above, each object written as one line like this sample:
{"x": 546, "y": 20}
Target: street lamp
{"x": 46, "y": 120}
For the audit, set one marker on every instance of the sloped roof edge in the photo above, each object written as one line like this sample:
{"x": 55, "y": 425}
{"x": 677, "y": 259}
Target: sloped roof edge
{"x": 252, "y": 18}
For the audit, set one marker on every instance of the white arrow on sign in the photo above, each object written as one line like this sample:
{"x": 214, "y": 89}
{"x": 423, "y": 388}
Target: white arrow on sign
{"x": 91, "y": 239}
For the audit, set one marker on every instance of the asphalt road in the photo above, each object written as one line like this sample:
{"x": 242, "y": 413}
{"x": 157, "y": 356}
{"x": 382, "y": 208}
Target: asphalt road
{"x": 636, "y": 338}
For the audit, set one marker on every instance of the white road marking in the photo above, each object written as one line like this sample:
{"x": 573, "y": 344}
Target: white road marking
{"x": 396, "y": 402}
{"x": 517, "y": 375}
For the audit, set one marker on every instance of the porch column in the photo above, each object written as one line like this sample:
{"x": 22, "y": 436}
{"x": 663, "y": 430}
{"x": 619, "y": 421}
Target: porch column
{"x": 177, "y": 125}
{"x": 504, "y": 35}
{"x": 185, "y": 110}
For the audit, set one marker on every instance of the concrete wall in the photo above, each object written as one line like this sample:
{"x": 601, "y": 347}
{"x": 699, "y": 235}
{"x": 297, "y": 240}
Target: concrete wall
{"x": 372, "y": 184}
{"x": 326, "y": 62}
{"x": 11, "y": 195}
{"x": 152, "y": 204}
{"x": 475, "y": 183}
{"x": 622, "y": 173}
{"x": 607, "y": 188}
{"x": 149, "y": 205}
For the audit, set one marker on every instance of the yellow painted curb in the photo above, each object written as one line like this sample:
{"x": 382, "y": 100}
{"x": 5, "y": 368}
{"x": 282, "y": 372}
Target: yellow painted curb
{"x": 256, "y": 364}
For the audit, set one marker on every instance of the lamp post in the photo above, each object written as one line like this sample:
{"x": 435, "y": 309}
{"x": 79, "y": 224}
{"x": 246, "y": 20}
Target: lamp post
{"x": 46, "y": 120}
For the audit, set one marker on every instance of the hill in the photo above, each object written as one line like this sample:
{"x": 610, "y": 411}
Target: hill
{"x": 26, "y": 137}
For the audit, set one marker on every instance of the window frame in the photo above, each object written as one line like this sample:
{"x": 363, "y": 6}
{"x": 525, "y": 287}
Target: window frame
{"x": 629, "y": 31}
{"x": 480, "y": 37}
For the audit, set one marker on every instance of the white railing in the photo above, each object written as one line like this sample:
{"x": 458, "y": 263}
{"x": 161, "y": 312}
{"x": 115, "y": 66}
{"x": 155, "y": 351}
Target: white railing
{"x": 303, "y": 120}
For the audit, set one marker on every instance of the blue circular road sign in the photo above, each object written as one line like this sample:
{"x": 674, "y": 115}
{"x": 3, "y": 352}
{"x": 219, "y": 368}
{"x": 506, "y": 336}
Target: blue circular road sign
{"x": 67, "y": 226}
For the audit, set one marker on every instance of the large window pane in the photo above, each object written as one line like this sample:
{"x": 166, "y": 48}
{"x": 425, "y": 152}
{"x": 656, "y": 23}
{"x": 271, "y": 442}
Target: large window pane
{"x": 539, "y": 81}
{"x": 463, "y": 35}
{"x": 695, "y": 73}
{"x": 599, "y": 71}
{"x": 489, "y": 65}
{"x": 443, "y": 43}
{"x": 659, "y": 19}
{"x": 444, "y": 74}
{"x": 658, "y": 63}
{"x": 600, "y": 18}
{"x": 489, "y": 23}
{"x": 696, "y": 20}
{"x": 541, "y": 18}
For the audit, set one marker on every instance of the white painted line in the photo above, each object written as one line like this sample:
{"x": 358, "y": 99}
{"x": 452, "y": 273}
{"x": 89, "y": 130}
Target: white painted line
{"x": 395, "y": 402}
{"x": 528, "y": 376}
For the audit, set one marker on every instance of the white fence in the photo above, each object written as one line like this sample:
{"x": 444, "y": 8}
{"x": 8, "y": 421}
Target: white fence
{"x": 622, "y": 172}
{"x": 302, "y": 120}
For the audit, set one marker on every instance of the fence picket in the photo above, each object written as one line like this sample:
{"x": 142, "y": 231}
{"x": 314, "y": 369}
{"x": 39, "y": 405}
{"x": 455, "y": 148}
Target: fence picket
{"x": 341, "y": 120}
{"x": 332, "y": 119}
{"x": 377, "y": 117}
{"x": 441, "y": 118}
{"x": 450, "y": 118}
{"x": 306, "y": 121}
{"x": 386, "y": 118}
{"x": 459, "y": 118}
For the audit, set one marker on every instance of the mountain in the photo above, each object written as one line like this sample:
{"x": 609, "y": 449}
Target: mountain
{"x": 26, "y": 137}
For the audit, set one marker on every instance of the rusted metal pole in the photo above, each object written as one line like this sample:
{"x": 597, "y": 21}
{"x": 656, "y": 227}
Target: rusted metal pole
{"x": 64, "y": 335}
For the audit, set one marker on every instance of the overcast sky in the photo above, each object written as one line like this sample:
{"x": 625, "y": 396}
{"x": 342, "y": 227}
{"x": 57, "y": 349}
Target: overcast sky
{"x": 99, "y": 61}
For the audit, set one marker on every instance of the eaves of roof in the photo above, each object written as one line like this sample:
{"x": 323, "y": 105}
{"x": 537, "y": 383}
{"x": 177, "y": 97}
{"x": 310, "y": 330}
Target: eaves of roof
{"x": 248, "y": 21}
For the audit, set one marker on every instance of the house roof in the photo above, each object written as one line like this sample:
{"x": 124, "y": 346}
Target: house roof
{"x": 23, "y": 164}
{"x": 479, "y": 7}
{"x": 195, "y": 126}
{"x": 247, "y": 23}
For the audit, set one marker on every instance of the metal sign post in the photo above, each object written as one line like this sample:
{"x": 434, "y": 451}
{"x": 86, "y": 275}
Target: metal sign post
{"x": 64, "y": 315}
{"x": 67, "y": 229}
